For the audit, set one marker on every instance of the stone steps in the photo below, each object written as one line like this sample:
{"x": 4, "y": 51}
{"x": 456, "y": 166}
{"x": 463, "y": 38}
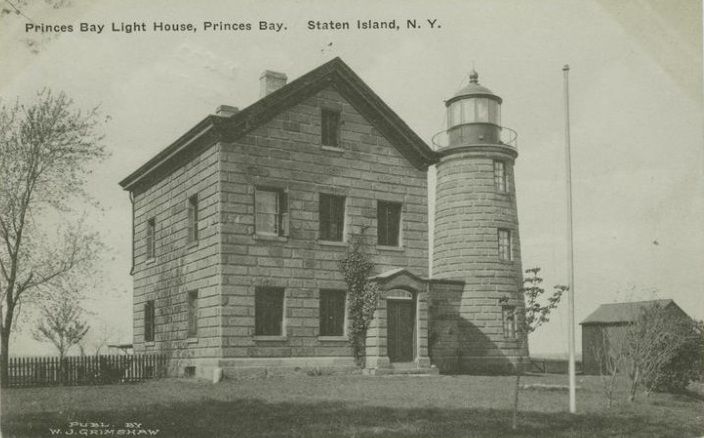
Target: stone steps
{"x": 410, "y": 368}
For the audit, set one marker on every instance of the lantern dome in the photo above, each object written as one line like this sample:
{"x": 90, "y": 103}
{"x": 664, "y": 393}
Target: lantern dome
{"x": 473, "y": 88}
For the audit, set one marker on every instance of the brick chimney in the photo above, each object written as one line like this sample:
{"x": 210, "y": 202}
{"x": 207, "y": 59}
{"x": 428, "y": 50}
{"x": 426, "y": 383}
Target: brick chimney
{"x": 271, "y": 81}
{"x": 226, "y": 110}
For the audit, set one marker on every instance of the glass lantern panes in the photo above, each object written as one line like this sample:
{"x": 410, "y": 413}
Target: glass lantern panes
{"x": 474, "y": 110}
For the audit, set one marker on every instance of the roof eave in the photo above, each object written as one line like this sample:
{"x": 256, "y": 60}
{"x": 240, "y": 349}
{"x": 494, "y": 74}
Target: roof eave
{"x": 200, "y": 129}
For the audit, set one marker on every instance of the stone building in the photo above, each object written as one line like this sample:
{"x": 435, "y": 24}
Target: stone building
{"x": 238, "y": 226}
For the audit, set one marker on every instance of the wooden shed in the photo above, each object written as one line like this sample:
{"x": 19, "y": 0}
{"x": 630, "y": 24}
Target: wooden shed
{"x": 608, "y": 320}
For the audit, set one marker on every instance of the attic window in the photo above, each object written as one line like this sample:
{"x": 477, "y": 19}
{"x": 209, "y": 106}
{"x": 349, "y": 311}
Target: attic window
{"x": 330, "y": 128}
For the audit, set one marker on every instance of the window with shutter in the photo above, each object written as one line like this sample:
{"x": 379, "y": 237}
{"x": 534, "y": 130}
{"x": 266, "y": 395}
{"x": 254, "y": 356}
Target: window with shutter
{"x": 268, "y": 311}
{"x": 332, "y": 217}
{"x": 388, "y": 215}
{"x": 332, "y": 312}
{"x": 271, "y": 212}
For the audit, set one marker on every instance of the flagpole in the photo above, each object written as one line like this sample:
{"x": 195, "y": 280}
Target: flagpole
{"x": 570, "y": 251}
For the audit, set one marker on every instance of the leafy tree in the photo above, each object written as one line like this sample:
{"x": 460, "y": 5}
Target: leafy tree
{"x": 46, "y": 151}
{"x": 528, "y": 319}
{"x": 61, "y": 323}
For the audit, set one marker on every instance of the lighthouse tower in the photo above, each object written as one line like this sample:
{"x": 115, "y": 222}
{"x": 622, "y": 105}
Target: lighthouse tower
{"x": 476, "y": 237}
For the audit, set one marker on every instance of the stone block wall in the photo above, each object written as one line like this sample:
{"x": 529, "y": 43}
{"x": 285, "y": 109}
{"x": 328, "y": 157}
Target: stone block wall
{"x": 445, "y": 299}
{"x": 179, "y": 266}
{"x": 286, "y": 153}
{"x": 468, "y": 213}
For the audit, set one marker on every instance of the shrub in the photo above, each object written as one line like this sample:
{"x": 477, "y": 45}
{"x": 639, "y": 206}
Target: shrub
{"x": 685, "y": 366}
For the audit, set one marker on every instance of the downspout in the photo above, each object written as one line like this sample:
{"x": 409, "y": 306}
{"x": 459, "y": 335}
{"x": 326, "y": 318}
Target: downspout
{"x": 132, "y": 242}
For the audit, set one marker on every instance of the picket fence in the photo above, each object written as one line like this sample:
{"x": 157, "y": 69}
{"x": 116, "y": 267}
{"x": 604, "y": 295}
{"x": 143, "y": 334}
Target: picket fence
{"x": 85, "y": 370}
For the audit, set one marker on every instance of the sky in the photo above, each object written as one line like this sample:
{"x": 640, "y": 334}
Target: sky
{"x": 635, "y": 102}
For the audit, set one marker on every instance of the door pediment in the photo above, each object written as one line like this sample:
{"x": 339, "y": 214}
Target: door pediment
{"x": 399, "y": 279}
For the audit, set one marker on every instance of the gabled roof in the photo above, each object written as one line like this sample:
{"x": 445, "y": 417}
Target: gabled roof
{"x": 333, "y": 73}
{"x": 625, "y": 312}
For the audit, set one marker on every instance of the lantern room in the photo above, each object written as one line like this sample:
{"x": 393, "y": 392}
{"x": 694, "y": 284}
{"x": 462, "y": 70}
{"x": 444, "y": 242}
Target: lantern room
{"x": 474, "y": 117}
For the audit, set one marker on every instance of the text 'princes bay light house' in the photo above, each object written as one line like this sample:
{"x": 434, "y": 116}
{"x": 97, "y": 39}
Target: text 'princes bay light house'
{"x": 239, "y": 224}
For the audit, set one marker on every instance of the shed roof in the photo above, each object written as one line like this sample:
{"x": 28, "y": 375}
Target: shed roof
{"x": 624, "y": 312}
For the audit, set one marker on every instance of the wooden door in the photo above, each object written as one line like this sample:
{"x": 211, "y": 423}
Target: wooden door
{"x": 400, "y": 330}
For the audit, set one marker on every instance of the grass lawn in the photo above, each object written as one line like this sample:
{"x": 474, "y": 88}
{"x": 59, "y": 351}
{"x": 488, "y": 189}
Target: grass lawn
{"x": 346, "y": 406}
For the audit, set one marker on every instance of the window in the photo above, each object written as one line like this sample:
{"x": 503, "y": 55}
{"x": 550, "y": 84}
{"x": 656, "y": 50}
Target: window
{"x": 193, "y": 218}
{"x": 271, "y": 210}
{"x": 505, "y": 245}
{"x": 330, "y": 128}
{"x": 149, "y": 321}
{"x": 509, "y": 319}
{"x": 193, "y": 314}
{"x": 151, "y": 241}
{"x": 268, "y": 311}
{"x": 332, "y": 217}
{"x": 388, "y": 217}
{"x": 332, "y": 313}
{"x": 500, "y": 177}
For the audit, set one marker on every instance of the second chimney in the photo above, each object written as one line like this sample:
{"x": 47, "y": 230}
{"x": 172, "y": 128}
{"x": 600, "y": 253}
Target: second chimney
{"x": 226, "y": 110}
{"x": 271, "y": 81}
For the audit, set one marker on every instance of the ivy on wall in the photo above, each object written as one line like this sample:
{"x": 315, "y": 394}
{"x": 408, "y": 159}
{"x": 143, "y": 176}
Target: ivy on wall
{"x": 362, "y": 295}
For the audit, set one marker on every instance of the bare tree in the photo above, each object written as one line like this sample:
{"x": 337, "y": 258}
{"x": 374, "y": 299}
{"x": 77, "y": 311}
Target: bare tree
{"x": 61, "y": 323}
{"x": 652, "y": 341}
{"x": 531, "y": 317}
{"x": 46, "y": 149}
{"x": 100, "y": 338}
{"x": 610, "y": 353}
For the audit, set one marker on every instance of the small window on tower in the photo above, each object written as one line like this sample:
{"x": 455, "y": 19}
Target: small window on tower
{"x": 500, "y": 176}
{"x": 330, "y": 128}
{"x": 505, "y": 245}
{"x": 510, "y": 321}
